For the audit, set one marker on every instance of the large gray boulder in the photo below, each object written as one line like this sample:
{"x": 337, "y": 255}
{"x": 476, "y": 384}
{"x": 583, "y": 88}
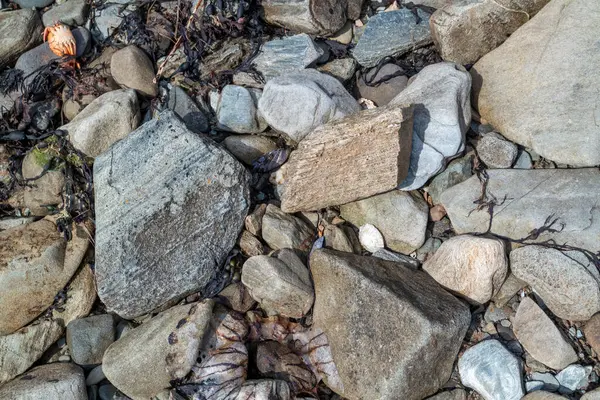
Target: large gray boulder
{"x": 20, "y": 30}
{"x": 169, "y": 207}
{"x": 57, "y": 381}
{"x": 394, "y": 332}
{"x": 440, "y": 93}
{"x": 521, "y": 88}
{"x": 533, "y": 198}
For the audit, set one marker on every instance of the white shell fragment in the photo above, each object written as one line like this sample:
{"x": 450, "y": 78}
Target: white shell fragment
{"x": 370, "y": 238}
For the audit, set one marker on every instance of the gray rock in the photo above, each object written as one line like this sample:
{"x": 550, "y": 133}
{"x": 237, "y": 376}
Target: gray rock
{"x": 81, "y": 295}
{"x": 401, "y": 217}
{"x": 236, "y": 110}
{"x": 14, "y": 222}
{"x": 88, "y": 338}
{"x": 164, "y": 231}
{"x": 187, "y": 110}
{"x": 247, "y": 148}
{"x": 33, "y": 3}
{"x": 456, "y": 394}
{"x": 464, "y": 31}
{"x": 58, "y": 381}
{"x": 108, "y": 19}
{"x": 523, "y": 161}
{"x": 20, "y": 30}
{"x": 131, "y": 68}
{"x": 428, "y": 249}
{"x": 385, "y": 254}
{"x": 108, "y": 392}
{"x": 281, "y": 284}
{"x": 592, "y": 395}
{"x": 71, "y": 12}
{"x": 289, "y": 54}
{"x": 496, "y": 152}
{"x": 341, "y": 69}
{"x": 344, "y": 35}
{"x": 146, "y": 359}
{"x": 19, "y": 350}
{"x": 521, "y": 90}
{"x": 566, "y": 194}
{"x": 441, "y": 119}
{"x": 549, "y": 381}
{"x": 105, "y": 121}
{"x": 281, "y": 230}
{"x": 342, "y": 238}
{"x": 540, "y": 395}
{"x": 35, "y": 264}
{"x": 573, "y": 377}
{"x": 492, "y": 371}
{"x": 456, "y": 172}
{"x": 540, "y": 337}
{"x": 381, "y": 89}
{"x": 297, "y": 103}
{"x": 575, "y": 296}
{"x": 95, "y": 376}
{"x": 381, "y": 297}
{"x": 474, "y": 267}
{"x": 392, "y": 34}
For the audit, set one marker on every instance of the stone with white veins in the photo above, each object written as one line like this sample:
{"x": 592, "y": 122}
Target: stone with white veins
{"x": 532, "y": 198}
{"x": 442, "y": 115}
{"x": 57, "y": 381}
{"x": 237, "y": 110}
{"x": 575, "y": 296}
{"x": 573, "y": 377}
{"x": 169, "y": 207}
{"x": 492, "y": 371}
{"x": 540, "y": 337}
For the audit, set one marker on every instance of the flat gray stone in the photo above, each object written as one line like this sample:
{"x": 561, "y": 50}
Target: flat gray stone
{"x": 20, "y": 31}
{"x": 573, "y": 377}
{"x": 71, "y": 12}
{"x": 169, "y": 207}
{"x": 88, "y": 338}
{"x": 388, "y": 255}
{"x": 391, "y": 34}
{"x": 237, "y": 110}
{"x": 549, "y": 380}
{"x": 108, "y": 19}
{"x": 187, "y": 110}
{"x": 281, "y": 230}
{"x": 456, "y": 172}
{"x": 523, "y": 161}
{"x": 532, "y": 196}
{"x": 492, "y": 371}
{"x": 442, "y": 116}
{"x": 566, "y": 282}
{"x": 496, "y": 152}
{"x": 34, "y": 3}
{"x": 95, "y": 376}
{"x": 57, "y": 381}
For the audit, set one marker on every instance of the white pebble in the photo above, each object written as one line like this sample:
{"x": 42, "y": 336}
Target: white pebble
{"x": 370, "y": 238}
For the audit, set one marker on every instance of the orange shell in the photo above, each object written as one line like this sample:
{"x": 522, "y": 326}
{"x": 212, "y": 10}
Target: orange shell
{"x": 60, "y": 39}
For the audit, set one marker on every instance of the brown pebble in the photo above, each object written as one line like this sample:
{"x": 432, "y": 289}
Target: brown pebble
{"x": 436, "y": 213}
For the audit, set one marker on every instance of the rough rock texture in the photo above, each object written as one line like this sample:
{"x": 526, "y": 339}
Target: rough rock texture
{"x": 442, "y": 115}
{"x": 58, "y": 381}
{"x": 532, "y": 196}
{"x": 163, "y": 231}
{"x": 71, "y": 12}
{"x": 491, "y": 370}
{"x": 362, "y": 301}
{"x": 521, "y": 88}
{"x": 106, "y": 120}
{"x": 496, "y": 152}
{"x": 35, "y": 264}
{"x": 281, "y": 230}
{"x": 567, "y": 282}
{"x": 89, "y": 337}
{"x": 247, "y": 148}
{"x": 281, "y": 284}
{"x": 19, "y": 350}
{"x": 297, "y": 103}
{"x": 130, "y": 67}
{"x": 340, "y": 68}
{"x": 145, "y": 359}
{"x": 592, "y": 395}
{"x": 20, "y": 30}
{"x": 81, "y": 294}
{"x": 465, "y": 31}
{"x": 540, "y": 337}
{"x": 236, "y": 110}
{"x": 471, "y": 266}
{"x": 592, "y": 332}
{"x": 371, "y": 149}
{"x": 392, "y": 33}
{"x": 401, "y": 217}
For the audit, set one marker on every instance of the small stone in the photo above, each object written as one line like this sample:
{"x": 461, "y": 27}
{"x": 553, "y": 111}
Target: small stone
{"x": 71, "y": 12}
{"x": 456, "y": 394}
{"x": 428, "y": 249}
{"x": 382, "y": 85}
{"x": 492, "y": 371}
{"x": 540, "y": 395}
{"x": 341, "y": 69}
{"x": 107, "y": 392}
{"x": 549, "y": 381}
{"x": 131, "y": 68}
{"x": 281, "y": 230}
{"x": 89, "y": 337}
{"x": 370, "y": 238}
{"x": 344, "y": 35}
{"x": 388, "y": 255}
{"x": 20, "y": 31}
{"x": 33, "y": 3}
{"x": 496, "y": 314}
{"x": 496, "y": 152}
{"x": 64, "y": 381}
{"x": 80, "y": 297}
{"x": 253, "y": 221}
{"x": 523, "y": 161}
{"x": 275, "y": 359}
{"x": 108, "y": 19}
{"x": 474, "y": 267}
{"x": 187, "y": 110}
{"x": 531, "y": 386}
{"x": 436, "y": 213}
{"x": 237, "y": 297}
{"x": 592, "y": 333}
{"x": 336, "y": 238}
{"x": 250, "y": 245}
{"x": 95, "y": 376}
{"x": 456, "y": 172}
{"x": 72, "y": 107}
{"x": 573, "y": 377}
{"x": 592, "y": 395}
{"x": 509, "y": 288}
{"x": 540, "y": 337}
{"x": 237, "y": 110}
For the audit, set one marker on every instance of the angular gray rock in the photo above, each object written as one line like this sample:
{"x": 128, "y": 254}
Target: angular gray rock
{"x": 391, "y": 34}
{"x": 58, "y": 381}
{"x": 341, "y": 238}
{"x": 187, "y": 110}
{"x": 237, "y": 110}
{"x": 19, "y": 350}
{"x": 573, "y": 377}
{"x": 521, "y": 90}
{"x": 401, "y": 217}
{"x": 575, "y": 296}
{"x": 456, "y": 172}
{"x": 385, "y": 254}
{"x": 297, "y": 103}
{"x": 247, "y": 148}
{"x": 289, "y": 54}
{"x": 374, "y": 86}
{"x": 20, "y": 31}
{"x": 71, "y": 12}
{"x": 146, "y": 359}
{"x": 169, "y": 207}
{"x": 280, "y": 284}
{"x": 281, "y": 230}
{"x": 108, "y": 19}
{"x": 532, "y": 197}
{"x": 131, "y": 68}
{"x": 496, "y": 152}
{"x": 362, "y": 302}
{"x": 442, "y": 115}
{"x": 540, "y": 337}
{"x": 89, "y": 337}
{"x": 472, "y": 266}
{"x": 106, "y": 120}
{"x": 341, "y": 68}
{"x": 492, "y": 371}
{"x": 464, "y": 31}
